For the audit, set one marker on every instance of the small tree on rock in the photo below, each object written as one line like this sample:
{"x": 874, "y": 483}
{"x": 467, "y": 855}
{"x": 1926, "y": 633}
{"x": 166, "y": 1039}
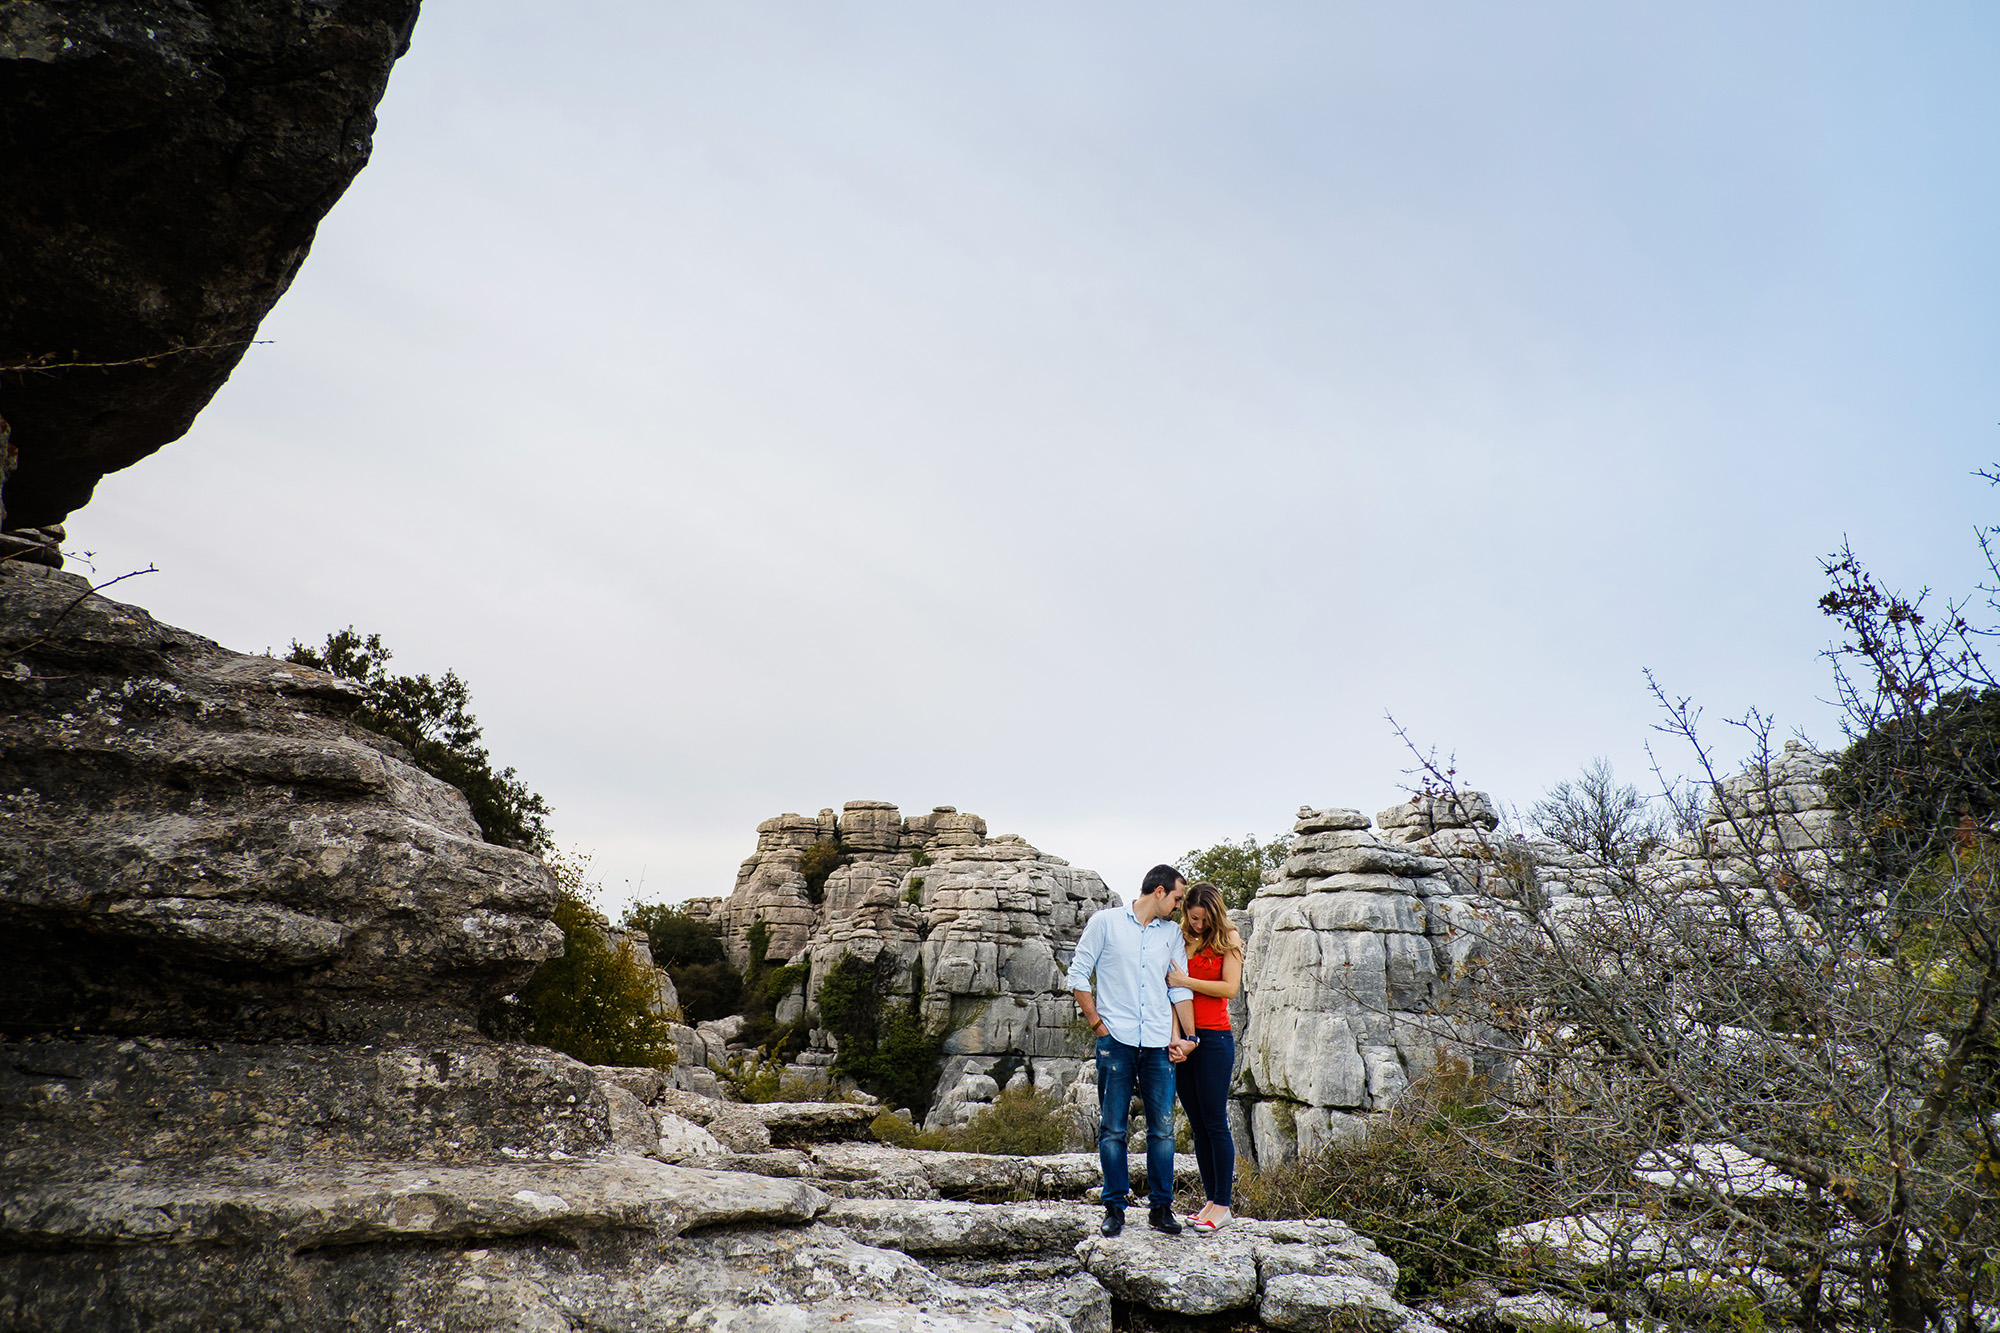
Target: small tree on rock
{"x": 432, "y": 720}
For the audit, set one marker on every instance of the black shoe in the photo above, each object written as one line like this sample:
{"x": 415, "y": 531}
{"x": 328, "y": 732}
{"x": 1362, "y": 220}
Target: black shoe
{"x": 1162, "y": 1219}
{"x": 1114, "y": 1219}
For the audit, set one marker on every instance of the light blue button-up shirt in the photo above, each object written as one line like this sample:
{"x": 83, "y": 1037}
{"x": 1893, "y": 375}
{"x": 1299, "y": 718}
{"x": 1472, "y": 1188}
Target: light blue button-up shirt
{"x": 1132, "y": 962}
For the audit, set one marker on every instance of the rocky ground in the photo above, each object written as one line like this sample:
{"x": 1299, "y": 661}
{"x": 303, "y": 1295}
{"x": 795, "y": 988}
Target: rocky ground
{"x": 158, "y": 1183}
{"x": 242, "y": 1084}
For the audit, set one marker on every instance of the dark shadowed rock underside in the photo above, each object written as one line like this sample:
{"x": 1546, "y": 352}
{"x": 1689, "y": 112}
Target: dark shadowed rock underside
{"x": 163, "y": 167}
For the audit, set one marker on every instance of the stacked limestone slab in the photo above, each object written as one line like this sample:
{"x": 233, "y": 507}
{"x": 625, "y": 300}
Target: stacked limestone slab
{"x": 1776, "y": 810}
{"x": 1340, "y": 976}
{"x": 1370, "y": 928}
{"x": 982, "y": 928}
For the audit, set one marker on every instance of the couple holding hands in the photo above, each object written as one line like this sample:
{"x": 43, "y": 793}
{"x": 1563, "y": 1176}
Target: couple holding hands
{"x": 1156, "y": 993}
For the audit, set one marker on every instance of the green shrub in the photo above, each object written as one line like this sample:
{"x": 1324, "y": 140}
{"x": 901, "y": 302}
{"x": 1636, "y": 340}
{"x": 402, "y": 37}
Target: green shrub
{"x": 1237, "y": 868}
{"x": 1021, "y": 1122}
{"x": 763, "y": 986}
{"x": 885, "y": 1045}
{"x": 752, "y": 1078}
{"x": 595, "y": 1002}
{"x": 1422, "y": 1186}
{"x": 914, "y": 894}
{"x": 897, "y": 1132}
{"x": 690, "y": 949}
{"x": 432, "y": 719}
{"x": 674, "y": 936}
{"x": 817, "y": 862}
{"x": 707, "y": 990}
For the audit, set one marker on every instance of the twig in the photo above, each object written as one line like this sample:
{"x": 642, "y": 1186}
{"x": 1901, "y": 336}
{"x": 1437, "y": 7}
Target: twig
{"x": 87, "y": 592}
{"x": 43, "y": 362}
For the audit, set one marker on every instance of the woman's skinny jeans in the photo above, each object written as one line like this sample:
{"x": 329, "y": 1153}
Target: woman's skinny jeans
{"x": 1203, "y": 1082}
{"x": 1119, "y": 1067}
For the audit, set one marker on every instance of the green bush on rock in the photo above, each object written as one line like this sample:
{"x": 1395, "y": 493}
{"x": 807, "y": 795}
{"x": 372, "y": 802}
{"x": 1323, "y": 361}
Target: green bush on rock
{"x": 1020, "y": 1121}
{"x": 885, "y": 1045}
{"x": 598, "y": 1001}
{"x": 432, "y": 719}
{"x": 1426, "y": 1185}
{"x": 690, "y": 949}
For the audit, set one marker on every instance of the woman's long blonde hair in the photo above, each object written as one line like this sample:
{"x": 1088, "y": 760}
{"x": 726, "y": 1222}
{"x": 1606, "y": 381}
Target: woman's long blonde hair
{"x": 1218, "y": 937}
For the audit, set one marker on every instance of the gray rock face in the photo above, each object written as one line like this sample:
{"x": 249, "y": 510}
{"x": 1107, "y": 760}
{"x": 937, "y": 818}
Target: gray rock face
{"x": 198, "y": 842}
{"x": 1340, "y": 977}
{"x": 166, "y": 167}
{"x": 984, "y": 925}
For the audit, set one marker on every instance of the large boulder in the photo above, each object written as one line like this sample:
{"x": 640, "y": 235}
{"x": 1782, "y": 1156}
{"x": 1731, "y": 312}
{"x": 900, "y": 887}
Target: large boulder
{"x": 199, "y": 842}
{"x": 166, "y": 165}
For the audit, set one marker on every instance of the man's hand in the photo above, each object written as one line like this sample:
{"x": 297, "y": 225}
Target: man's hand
{"x": 1179, "y": 1049}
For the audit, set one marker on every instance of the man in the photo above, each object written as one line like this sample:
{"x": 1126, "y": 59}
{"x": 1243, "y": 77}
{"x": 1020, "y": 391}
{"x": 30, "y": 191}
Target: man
{"x": 1138, "y": 1020}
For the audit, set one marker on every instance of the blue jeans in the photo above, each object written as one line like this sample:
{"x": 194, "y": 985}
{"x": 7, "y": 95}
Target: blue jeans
{"x": 1203, "y": 1080}
{"x": 1118, "y": 1067}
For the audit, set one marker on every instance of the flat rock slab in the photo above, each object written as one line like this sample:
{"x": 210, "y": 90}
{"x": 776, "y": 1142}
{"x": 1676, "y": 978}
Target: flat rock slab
{"x": 938, "y": 1227}
{"x": 752, "y": 1127}
{"x": 302, "y": 1206}
{"x": 877, "y": 1168}
{"x": 792, "y": 1124}
{"x": 748, "y": 1279}
{"x": 1199, "y": 1274}
{"x": 1305, "y": 1303}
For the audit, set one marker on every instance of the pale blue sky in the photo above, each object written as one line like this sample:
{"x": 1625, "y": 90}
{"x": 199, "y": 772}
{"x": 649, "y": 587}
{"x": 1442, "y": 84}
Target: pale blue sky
{"x": 1098, "y": 416}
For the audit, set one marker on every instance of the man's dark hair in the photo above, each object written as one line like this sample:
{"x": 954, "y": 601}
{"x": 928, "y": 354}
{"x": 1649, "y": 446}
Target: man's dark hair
{"x": 1160, "y": 877}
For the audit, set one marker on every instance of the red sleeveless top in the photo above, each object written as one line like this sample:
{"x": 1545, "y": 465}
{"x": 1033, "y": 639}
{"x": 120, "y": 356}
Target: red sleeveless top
{"x": 1210, "y": 1011}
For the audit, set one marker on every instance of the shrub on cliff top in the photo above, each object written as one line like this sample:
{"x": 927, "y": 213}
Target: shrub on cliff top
{"x": 432, "y": 719}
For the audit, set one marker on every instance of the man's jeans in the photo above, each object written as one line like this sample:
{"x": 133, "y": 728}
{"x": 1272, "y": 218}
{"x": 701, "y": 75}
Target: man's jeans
{"x": 1118, "y": 1067}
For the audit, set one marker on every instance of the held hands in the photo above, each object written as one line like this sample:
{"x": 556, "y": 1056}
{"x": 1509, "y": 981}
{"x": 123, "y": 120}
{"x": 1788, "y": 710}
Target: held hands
{"x": 1179, "y": 1049}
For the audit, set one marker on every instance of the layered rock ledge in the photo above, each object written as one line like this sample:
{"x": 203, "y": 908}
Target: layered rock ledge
{"x": 198, "y": 842}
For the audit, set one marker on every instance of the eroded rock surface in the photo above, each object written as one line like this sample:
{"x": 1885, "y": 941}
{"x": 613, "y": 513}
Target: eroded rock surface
{"x": 1296, "y": 1275}
{"x": 199, "y": 842}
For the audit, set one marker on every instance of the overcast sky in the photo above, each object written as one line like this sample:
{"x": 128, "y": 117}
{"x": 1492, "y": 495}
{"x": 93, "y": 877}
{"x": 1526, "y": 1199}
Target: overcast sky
{"x": 1100, "y": 416}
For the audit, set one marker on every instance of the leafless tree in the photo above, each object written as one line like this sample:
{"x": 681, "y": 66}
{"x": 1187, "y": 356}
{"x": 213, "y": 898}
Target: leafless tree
{"x": 1756, "y": 1069}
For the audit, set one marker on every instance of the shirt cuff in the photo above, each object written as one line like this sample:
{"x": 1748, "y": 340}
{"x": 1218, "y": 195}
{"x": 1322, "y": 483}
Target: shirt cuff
{"x": 1175, "y": 994}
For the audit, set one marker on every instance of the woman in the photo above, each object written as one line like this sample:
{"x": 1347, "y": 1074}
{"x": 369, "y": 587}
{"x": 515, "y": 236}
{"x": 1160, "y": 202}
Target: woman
{"x": 1214, "y": 973}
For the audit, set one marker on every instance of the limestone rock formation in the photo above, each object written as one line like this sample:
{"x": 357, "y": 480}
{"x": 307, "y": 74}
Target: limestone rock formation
{"x": 199, "y": 843}
{"x": 1340, "y": 975}
{"x": 166, "y": 166}
{"x": 983, "y": 927}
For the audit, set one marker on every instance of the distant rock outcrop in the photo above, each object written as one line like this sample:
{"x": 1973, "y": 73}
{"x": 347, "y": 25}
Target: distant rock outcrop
{"x": 166, "y": 163}
{"x": 982, "y": 928}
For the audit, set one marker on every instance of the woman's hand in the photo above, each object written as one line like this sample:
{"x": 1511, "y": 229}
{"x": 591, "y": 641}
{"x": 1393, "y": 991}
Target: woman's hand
{"x": 1178, "y": 979}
